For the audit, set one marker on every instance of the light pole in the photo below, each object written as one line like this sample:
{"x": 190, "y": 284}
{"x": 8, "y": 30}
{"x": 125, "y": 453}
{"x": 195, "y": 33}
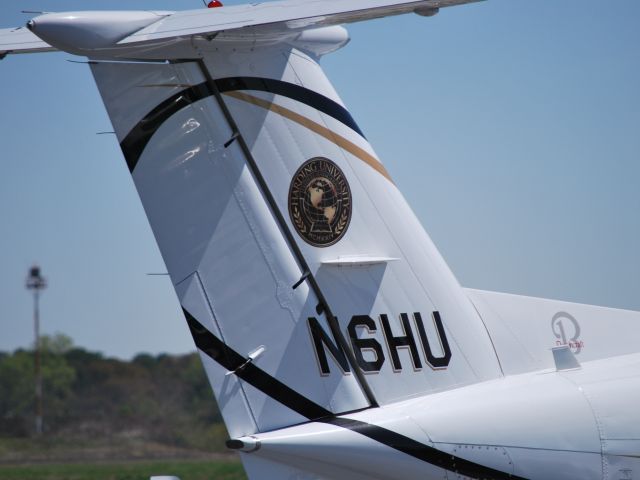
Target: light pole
{"x": 36, "y": 282}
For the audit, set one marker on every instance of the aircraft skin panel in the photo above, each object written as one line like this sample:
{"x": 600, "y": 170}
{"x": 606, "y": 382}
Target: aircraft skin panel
{"x": 381, "y": 225}
{"x": 211, "y": 221}
{"x": 496, "y": 414}
{"x": 231, "y": 395}
{"x": 132, "y": 90}
{"x": 324, "y": 450}
{"x": 618, "y": 419}
{"x": 266, "y": 263}
{"x": 539, "y": 426}
{"x": 524, "y": 329}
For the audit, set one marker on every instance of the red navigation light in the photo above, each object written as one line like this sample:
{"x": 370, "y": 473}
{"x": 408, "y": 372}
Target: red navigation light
{"x": 214, "y": 4}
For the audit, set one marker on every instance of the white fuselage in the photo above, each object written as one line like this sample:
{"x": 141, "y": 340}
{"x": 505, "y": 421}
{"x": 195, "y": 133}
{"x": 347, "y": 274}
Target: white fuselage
{"x": 574, "y": 424}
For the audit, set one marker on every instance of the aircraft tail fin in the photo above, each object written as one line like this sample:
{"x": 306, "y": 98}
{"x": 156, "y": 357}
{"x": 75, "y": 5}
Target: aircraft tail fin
{"x": 231, "y": 265}
{"x": 309, "y": 286}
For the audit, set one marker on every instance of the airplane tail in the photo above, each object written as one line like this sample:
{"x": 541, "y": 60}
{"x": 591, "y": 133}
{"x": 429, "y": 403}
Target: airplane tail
{"x": 308, "y": 284}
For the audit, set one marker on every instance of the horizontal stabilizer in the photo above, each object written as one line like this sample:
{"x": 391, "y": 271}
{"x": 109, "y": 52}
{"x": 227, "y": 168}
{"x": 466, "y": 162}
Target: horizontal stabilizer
{"x": 149, "y": 34}
{"x": 280, "y": 17}
{"x": 21, "y": 40}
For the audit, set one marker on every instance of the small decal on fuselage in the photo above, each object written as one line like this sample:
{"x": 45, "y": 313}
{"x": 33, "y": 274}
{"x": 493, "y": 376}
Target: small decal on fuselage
{"x": 370, "y": 353}
{"x": 567, "y": 331}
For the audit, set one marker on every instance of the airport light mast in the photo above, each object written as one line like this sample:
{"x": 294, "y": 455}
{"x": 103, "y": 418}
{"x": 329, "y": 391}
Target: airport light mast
{"x": 36, "y": 283}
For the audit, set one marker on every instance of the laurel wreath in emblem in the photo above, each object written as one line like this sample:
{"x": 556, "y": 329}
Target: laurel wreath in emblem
{"x": 297, "y": 220}
{"x": 320, "y": 202}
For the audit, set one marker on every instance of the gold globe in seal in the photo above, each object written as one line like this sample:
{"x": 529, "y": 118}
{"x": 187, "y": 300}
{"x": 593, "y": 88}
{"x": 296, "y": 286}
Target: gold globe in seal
{"x": 320, "y": 202}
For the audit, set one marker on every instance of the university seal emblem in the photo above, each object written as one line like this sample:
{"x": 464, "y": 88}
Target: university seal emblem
{"x": 320, "y": 202}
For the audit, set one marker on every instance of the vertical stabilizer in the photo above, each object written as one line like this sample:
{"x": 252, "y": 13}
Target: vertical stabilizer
{"x": 285, "y": 235}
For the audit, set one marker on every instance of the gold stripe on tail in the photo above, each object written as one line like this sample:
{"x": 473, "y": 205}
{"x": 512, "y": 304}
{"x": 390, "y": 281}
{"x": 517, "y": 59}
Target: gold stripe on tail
{"x": 330, "y": 135}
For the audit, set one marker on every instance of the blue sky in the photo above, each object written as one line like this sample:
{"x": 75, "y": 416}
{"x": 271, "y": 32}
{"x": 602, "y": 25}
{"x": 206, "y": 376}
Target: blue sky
{"x": 512, "y": 127}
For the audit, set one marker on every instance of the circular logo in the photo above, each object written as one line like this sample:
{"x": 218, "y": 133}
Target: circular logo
{"x": 320, "y": 202}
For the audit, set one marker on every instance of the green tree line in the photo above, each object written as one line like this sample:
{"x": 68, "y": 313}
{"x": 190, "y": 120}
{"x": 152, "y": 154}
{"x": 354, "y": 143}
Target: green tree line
{"x": 163, "y": 398}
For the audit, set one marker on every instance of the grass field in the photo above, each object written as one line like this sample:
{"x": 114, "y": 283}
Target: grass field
{"x": 137, "y": 470}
